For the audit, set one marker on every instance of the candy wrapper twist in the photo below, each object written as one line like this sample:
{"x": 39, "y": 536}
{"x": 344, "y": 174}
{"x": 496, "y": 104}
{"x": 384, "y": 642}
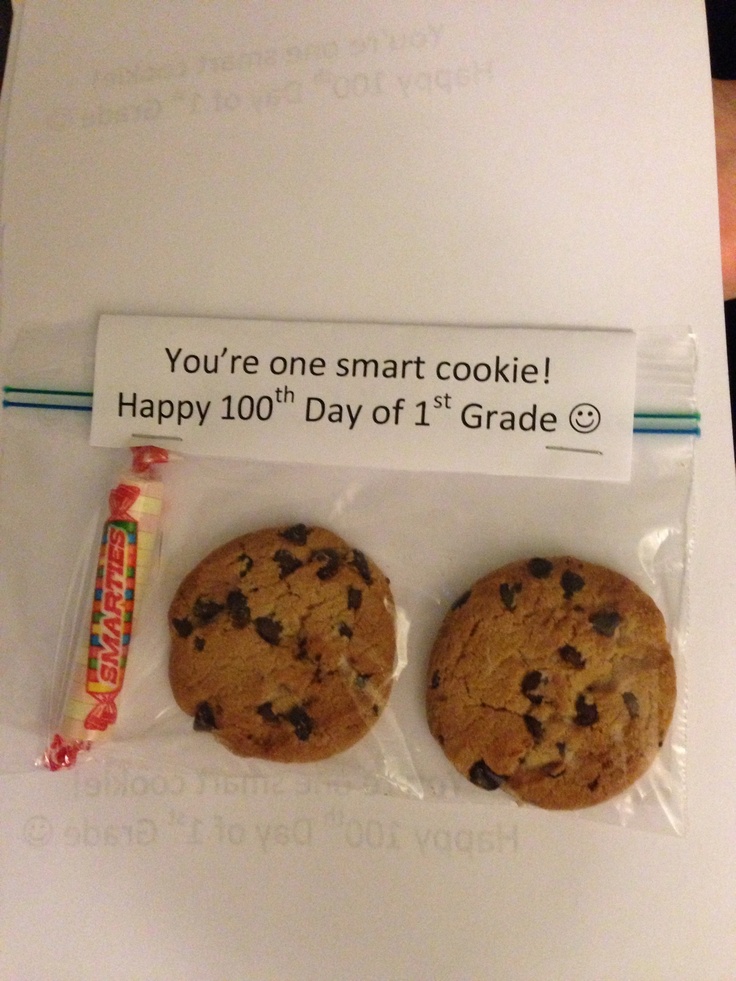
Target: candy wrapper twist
{"x": 128, "y": 547}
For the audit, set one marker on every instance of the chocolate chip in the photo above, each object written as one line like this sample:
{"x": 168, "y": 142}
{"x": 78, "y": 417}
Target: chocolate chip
{"x": 199, "y": 643}
{"x": 534, "y": 727}
{"x": 572, "y": 656}
{"x": 530, "y": 681}
{"x": 206, "y": 610}
{"x": 508, "y": 594}
{"x": 287, "y": 562}
{"x": 604, "y": 622}
{"x": 585, "y": 714}
{"x": 204, "y": 717}
{"x": 361, "y": 564}
{"x": 302, "y": 722}
{"x": 483, "y": 776}
{"x": 331, "y": 559}
{"x": 355, "y": 598}
{"x": 296, "y": 716}
{"x": 554, "y": 769}
{"x": 246, "y": 564}
{"x": 435, "y": 681}
{"x": 267, "y": 713}
{"x": 238, "y": 609}
{"x": 461, "y": 600}
{"x": 361, "y": 680}
{"x": 632, "y": 704}
{"x": 593, "y": 785}
{"x": 344, "y": 630}
{"x": 302, "y": 653}
{"x": 561, "y": 748}
{"x": 571, "y": 583}
{"x": 268, "y": 630}
{"x": 183, "y": 627}
{"x": 540, "y": 568}
{"x": 296, "y": 534}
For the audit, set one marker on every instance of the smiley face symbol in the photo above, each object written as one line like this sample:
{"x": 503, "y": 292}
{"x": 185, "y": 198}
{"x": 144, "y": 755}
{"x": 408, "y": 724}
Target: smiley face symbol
{"x": 585, "y": 418}
{"x": 37, "y": 831}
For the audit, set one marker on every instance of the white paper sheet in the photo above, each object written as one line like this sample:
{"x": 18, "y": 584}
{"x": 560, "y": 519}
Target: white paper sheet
{"x": 525, "y": 163}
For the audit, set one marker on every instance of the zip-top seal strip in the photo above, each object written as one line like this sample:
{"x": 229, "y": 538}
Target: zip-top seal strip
{"x": 645, "y": 423}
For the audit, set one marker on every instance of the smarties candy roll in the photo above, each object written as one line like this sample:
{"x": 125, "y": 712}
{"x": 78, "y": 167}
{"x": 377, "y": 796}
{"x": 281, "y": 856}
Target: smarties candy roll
{"x": 128, "y": 547}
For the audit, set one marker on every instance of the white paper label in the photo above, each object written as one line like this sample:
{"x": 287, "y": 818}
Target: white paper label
{"x": 545, "y": 402}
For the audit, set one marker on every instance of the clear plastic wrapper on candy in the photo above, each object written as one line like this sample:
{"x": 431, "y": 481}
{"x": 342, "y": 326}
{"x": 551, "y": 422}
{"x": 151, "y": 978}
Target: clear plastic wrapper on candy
{"x": 128, "y": 548}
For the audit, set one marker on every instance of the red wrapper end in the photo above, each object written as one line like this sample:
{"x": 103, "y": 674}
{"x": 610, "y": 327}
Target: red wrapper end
{"x": 62, "y": 753}
{"x": 104, "y": 714}
{"x": 145, "y": 457}
{"x": 121, "y": 500}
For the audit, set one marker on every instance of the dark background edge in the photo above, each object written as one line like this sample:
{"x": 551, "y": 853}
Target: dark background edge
{"x": 722, "y": 42}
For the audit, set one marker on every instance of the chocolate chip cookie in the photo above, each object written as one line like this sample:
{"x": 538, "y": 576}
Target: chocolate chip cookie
{"x": 552, "y": 678}
{"x": 283, "y": 644}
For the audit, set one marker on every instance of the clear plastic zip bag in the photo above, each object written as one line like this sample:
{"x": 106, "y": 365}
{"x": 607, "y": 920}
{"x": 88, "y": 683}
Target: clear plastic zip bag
{"x": 433, "y": 534}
